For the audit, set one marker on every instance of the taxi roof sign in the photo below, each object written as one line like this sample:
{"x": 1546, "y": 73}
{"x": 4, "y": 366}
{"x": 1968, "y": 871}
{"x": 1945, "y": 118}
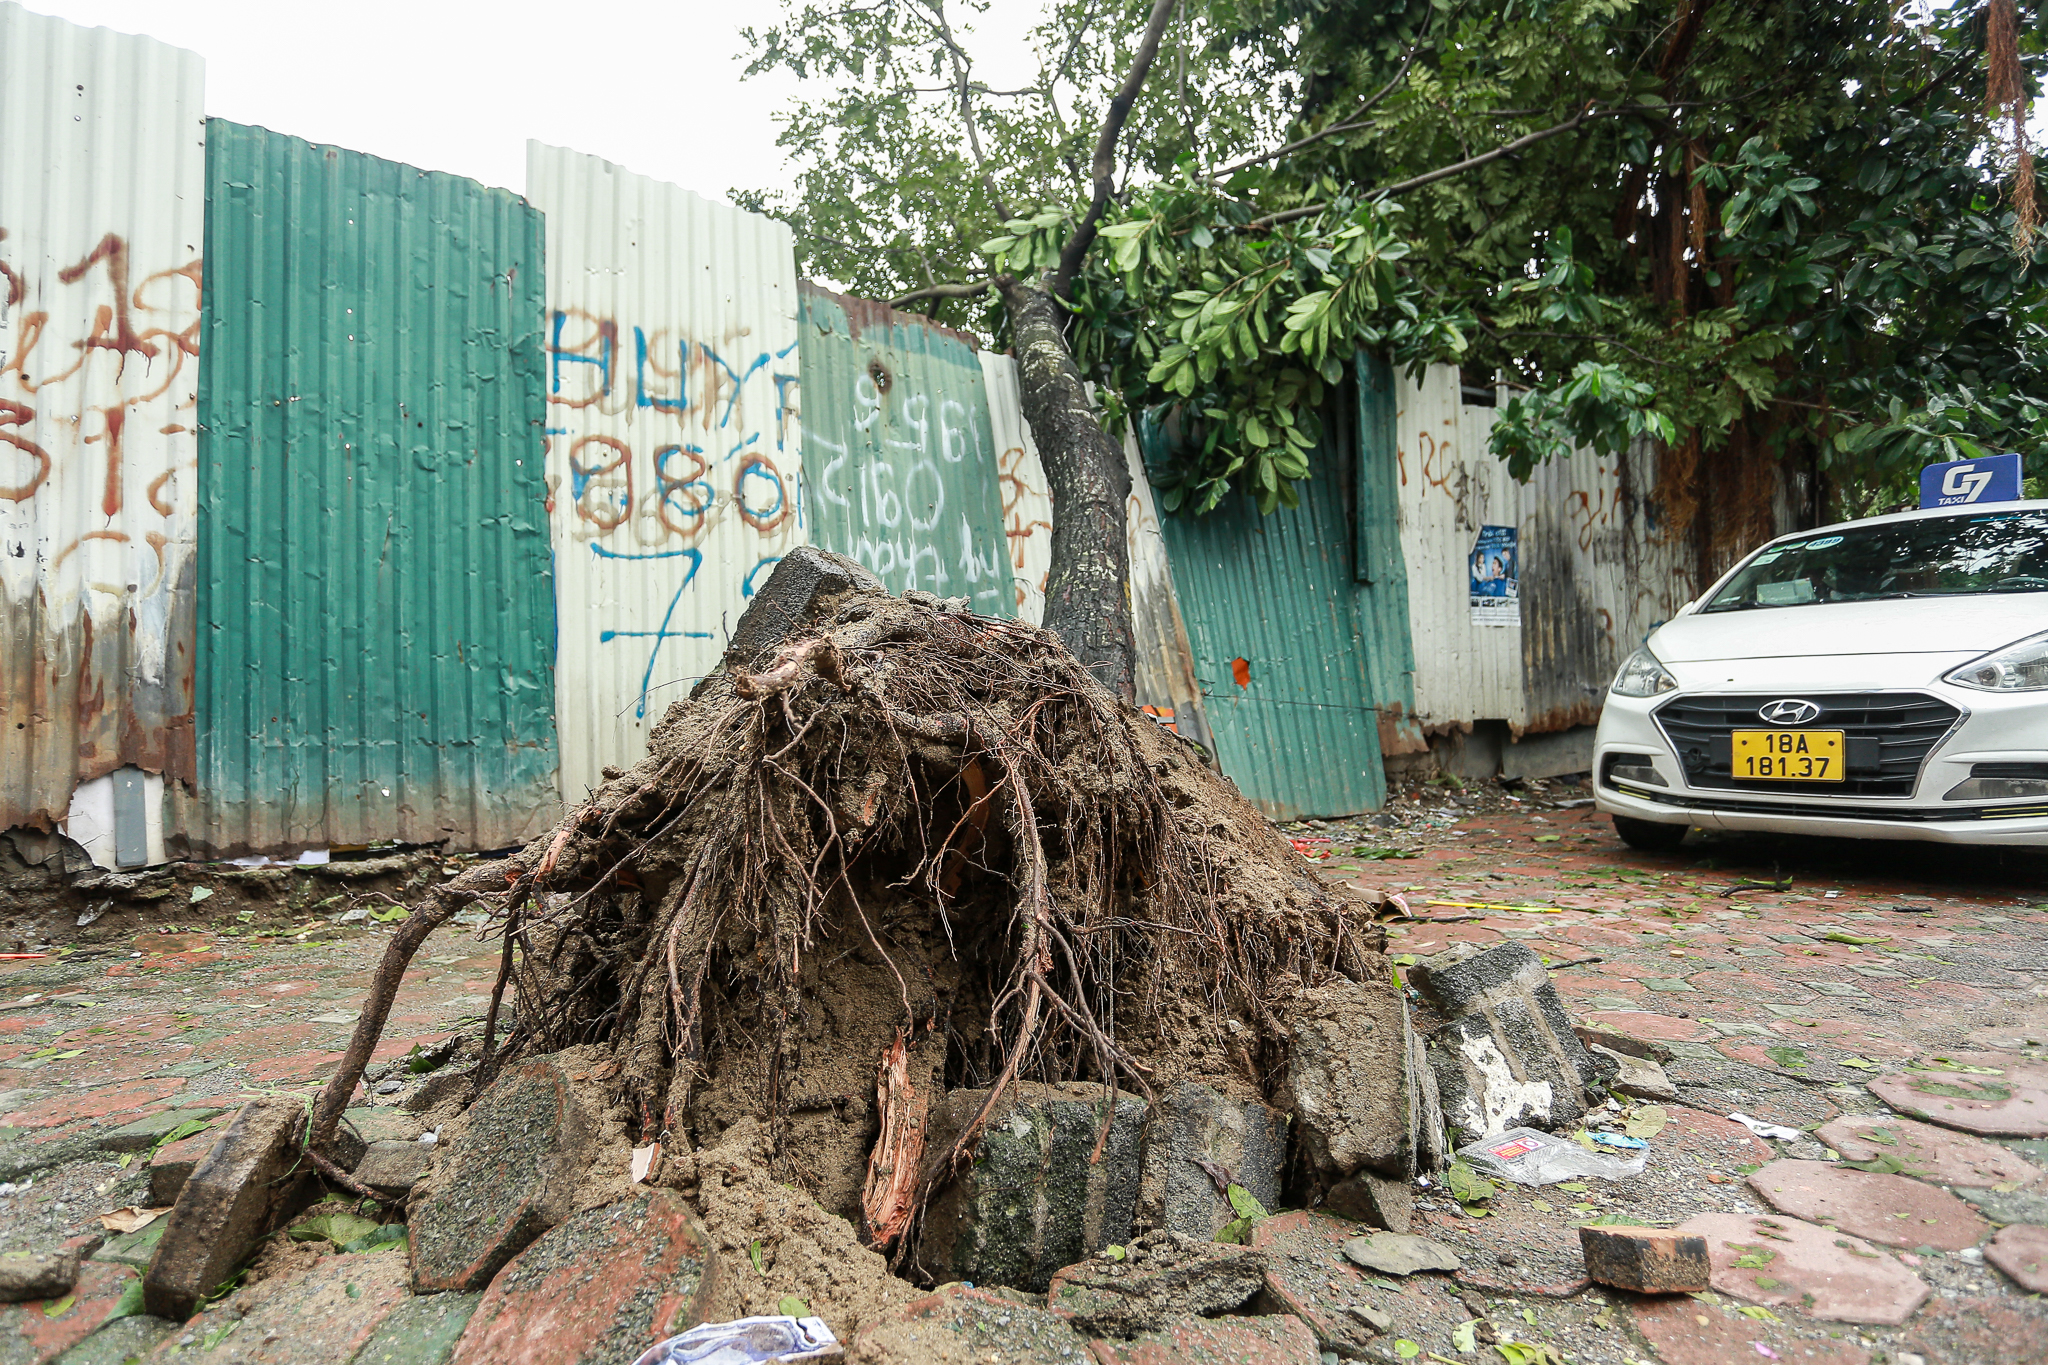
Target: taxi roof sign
{"x": 1966, "y": 483}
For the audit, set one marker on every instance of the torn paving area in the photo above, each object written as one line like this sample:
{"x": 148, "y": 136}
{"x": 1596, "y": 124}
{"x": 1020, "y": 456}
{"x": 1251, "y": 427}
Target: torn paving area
{"x": 1825, "y": 1011}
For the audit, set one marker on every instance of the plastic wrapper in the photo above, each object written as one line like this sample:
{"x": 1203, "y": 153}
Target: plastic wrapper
{"x": 1528, "y": 1157}
{"x": 747, "y": 1341}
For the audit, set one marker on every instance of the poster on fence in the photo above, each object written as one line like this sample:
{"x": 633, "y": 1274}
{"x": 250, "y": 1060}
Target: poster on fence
{"x": 1496, "y": 577}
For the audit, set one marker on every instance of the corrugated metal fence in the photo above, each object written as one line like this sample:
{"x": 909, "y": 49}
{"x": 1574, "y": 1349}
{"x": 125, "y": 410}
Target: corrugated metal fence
{"x": 675, "y": 471}
{"x": 1594, "y": 576}
{"x": 900, "y": 455}
{"x": 377, "y": 618}
{"x": 102, "y": 196}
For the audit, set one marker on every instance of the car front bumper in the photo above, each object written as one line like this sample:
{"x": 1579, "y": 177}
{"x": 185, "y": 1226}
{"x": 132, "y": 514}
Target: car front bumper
{"x": 1994, "y": 728}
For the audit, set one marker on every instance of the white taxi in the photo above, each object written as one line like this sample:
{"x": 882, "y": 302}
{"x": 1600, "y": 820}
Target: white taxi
{"x": 1885, "y": 678}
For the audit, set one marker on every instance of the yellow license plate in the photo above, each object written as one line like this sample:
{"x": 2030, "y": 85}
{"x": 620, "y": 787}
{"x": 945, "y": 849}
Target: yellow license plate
{"x": 1787, "y": 755}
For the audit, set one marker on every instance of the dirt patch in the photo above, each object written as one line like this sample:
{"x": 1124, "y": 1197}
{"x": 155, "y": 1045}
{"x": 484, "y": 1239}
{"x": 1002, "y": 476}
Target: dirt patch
{"x": 773, "y": 1242}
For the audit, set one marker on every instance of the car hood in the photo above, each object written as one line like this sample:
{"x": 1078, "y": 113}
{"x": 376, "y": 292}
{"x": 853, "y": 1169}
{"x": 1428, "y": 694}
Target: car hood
{"x": 1920, "y": 625}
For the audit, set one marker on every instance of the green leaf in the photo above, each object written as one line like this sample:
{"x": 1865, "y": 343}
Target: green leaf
{"x": 790, "y": 1306}
{"x": 130, "y": 1303}
{"x": 338, "y": 1228}
{"x": 387, "y": 1237}
{"x": 1467, "y": 1185}
{"x": 1838, "y": 936}
{"x": 1647, "y": 1121}
{"x": 1406, "y": 1349}
{"x": 57, "y": 1308}
{"x": 1243, "y": 1203}
{"x": 754, "y": 1255}
{"x": 1465, "y": 1336}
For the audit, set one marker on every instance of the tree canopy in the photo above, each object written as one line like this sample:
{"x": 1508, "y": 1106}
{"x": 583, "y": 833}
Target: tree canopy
{"x": 1789, "y": 242}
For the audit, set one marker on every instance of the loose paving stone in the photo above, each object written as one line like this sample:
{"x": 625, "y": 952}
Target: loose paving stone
{"x": 1373, "y": 1199}
{"x": 1162, "y": 1276}
{"x": 1686, "y": 1332}
{"x": 238, "y": 1193}
{"x": 132, "y": 1248}
{"x": 1506, "y": 1055}
{"x": 1826, "y": 1274}
{"x": 1233, "y": 1341}
{"x": 2021, "y": 1251}
{"x": 1883, "y": 1208}
{"x": 1395, "y": 1253}
{"x": 393, "y": 1168}
{"x": 121, "y": 1342}
{"x": 322, "y": 1313}
{"x": 1036, "y": 1198}
{"x": 1993, "y": 1106}
{"x": 507, "y": 1176}
{"x": 1637, "y": 1077}
{"x": 1646, "y": 1260}
{"x": 1349, "y": 1084}
{"x": 26, "y": 1275}
{"x": 145, "y": 1133}
{"x": 31, "y": 1332}
{"x": 1308, "y": 1276}
{"x": 963, "y": 1323}
{"x": 174, "y": 1163}
{"x": 1928, "y": 1152}
{"x": 599, "y": 1289}
{"x": 1192, "y": 1122}
{"x": 420, "y": 1331}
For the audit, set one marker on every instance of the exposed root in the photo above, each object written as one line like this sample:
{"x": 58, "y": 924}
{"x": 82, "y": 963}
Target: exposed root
{"x": 922, "y": 836}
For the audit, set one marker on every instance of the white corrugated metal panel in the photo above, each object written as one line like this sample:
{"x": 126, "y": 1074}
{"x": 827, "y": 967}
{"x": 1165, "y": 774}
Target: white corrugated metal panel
{"x": 674, "y": 458}
{"x": 1594, "y": 576}
{"x": 102, "y": 206}
{"x": 1165, "y": 666}
{"x": 1027, "y": 505}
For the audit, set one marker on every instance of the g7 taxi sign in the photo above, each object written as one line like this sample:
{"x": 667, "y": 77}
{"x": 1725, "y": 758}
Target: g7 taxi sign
{"x": 1995, "y": 478}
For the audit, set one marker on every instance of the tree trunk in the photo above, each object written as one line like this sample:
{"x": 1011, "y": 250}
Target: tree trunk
{"x": 1087, "y": 600}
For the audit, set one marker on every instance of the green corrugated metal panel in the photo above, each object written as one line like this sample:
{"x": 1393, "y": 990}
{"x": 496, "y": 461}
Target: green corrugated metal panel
{"x": 376, "y": 609}
{"x": 899, "y": 459}
{"x": 1322, "y": 653}
{"x": 1382, "y": 570}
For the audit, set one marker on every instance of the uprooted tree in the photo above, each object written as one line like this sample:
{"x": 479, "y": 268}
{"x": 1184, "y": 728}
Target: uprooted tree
{"x": 893, "y": 840}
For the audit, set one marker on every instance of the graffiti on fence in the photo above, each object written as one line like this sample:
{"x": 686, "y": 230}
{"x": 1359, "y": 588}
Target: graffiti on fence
{"x": 658, "y": 453}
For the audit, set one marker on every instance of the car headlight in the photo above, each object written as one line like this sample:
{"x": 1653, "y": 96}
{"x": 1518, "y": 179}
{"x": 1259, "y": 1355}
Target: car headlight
{"x": 2021, "y": 667}
{"x": 1642, "y": 676}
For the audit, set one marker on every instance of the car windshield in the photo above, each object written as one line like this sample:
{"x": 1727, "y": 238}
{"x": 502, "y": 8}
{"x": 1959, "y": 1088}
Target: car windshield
{"x": 1937, "y": 557}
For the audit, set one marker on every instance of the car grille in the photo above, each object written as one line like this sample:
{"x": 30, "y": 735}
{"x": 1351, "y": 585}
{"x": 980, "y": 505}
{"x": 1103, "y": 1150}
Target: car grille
{"x": 1887, "y": 735}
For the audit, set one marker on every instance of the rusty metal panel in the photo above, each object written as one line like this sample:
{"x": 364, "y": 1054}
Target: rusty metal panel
{"x": 899, "y": 454}
{"x": 1284, "y": 649}
{"x": 1165, "y": 673}
{"x": 1595, "y": 574}
{"x": 102, "y": 200}
{"x": 675, "y": 474}
{"x": 376, "y": 609}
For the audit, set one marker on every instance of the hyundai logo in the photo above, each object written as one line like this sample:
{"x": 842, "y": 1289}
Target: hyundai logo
{"x": 1790, "y": 711}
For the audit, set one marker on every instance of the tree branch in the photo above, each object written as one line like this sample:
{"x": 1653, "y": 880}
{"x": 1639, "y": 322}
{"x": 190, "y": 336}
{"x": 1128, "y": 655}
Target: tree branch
{"x": 1076, "y": 249}
{"x": 1352, "y": 120}
{"x": 1577, "y": 120}
{"x": 941, "y": 291}
{"x": 962, "y": 65}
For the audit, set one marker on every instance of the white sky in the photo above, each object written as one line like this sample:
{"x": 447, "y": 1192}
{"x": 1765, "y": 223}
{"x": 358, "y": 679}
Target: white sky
{"x": 459, "y": 86}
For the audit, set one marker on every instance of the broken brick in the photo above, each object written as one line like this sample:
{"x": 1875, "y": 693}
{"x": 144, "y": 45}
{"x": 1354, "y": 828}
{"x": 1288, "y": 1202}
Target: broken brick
{"x": 1646, "y": 1260}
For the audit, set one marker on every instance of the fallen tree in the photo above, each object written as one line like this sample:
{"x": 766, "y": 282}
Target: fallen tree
{"x": 892, "y": 849}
